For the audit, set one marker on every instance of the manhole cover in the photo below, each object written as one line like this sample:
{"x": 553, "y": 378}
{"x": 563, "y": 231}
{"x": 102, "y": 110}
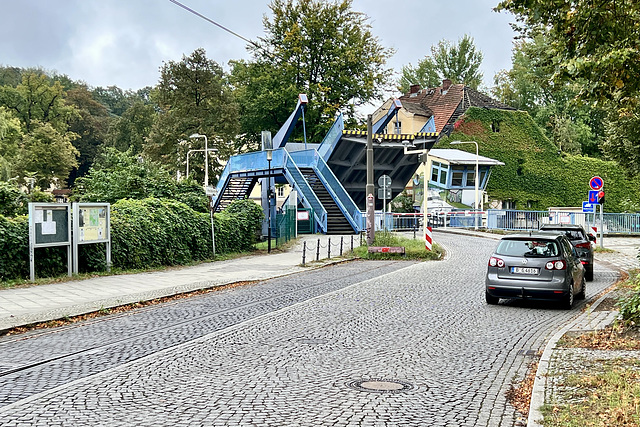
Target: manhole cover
{"x": 380, "y": 385}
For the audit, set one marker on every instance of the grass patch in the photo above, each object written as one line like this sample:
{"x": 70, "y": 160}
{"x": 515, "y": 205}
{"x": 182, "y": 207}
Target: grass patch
{"x": 603, "y": 250}
{"x": 606, "y": 399}
{"x": 414, "y": 249}
{"x": 611, "y": 338}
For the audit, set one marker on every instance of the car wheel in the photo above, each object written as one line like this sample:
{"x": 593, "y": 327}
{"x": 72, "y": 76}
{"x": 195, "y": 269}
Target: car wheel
{"x": 588, "y": 274}
{"x": 491, "y": 300}
{"x": 583, "y": 290}
{"x": 567, "y": 301}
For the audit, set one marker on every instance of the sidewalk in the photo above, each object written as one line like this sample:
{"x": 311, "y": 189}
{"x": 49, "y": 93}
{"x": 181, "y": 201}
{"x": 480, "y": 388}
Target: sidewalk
{"x": 23, "y": 306}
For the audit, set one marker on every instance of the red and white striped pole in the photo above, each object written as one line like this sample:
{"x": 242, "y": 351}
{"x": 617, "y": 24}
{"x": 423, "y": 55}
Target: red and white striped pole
{"x": 594, "y": 231}
{"x": 428, "y": 240}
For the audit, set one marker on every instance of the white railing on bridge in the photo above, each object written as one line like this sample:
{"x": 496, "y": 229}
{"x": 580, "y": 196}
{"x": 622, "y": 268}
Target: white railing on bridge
{"x": 510, "y": 220}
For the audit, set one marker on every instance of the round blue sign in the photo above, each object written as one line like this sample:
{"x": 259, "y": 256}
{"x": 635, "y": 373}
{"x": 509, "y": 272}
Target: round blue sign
{"x": 596, "y": 183}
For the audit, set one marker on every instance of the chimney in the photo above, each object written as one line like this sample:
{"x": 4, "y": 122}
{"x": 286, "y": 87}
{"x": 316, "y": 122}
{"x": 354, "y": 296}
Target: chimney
{"x": 446, "y": 84}
{"x": 414, "y": 88}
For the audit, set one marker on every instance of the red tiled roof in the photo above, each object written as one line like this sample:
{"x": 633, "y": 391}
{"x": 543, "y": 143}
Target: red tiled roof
{"x": 447, "y": 105}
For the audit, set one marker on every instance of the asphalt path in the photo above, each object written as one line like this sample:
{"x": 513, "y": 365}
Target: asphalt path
{"x": 355, "y": 344}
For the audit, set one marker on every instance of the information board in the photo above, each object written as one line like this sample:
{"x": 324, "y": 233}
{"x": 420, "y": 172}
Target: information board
{"x": 91, "y": 224}
{"x": 49, "y": 225}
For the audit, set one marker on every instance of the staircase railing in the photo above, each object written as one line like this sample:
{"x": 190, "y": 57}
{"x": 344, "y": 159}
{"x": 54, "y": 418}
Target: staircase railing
{"x": 312, "y": 159}
{"x": 257, "y": 162}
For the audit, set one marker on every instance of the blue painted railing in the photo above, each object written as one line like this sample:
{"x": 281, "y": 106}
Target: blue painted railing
{"x": 331, "y": 138}
{"x": 312, "y": 159}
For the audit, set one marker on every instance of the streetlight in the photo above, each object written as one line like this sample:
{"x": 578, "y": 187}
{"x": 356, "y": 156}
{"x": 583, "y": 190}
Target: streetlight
{"x": 206, "y": 158}
{"x": 267, "y": 145}
{"x": 425, "y": 154}
{"x": 211, "y": 150}
{"x": 477, "y": 176}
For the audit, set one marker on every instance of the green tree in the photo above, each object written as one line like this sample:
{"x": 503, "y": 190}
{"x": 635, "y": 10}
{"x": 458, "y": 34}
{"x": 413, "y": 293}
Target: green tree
{"x": 36, "y": 99}
{"x": 194, "y": 97}
{"x": 130, "y": 130}
{"x": 324, "y": 49}
{"x": 460, "y": 62}
{"x": 46, "y": 154}
{"x": 117, "y": 175}
{"x": 90, "y": 124}
{"x": 10, "y": 136}
{"x": 595, "y": 46}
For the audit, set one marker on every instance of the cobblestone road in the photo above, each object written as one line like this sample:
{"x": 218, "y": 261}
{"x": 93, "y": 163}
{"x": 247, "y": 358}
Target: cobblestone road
{"x": 425, "y": 326}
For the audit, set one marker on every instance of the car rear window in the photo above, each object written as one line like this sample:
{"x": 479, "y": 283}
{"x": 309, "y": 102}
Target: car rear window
{"x": 571, "y": 234}
{"x": 528, "y": 248}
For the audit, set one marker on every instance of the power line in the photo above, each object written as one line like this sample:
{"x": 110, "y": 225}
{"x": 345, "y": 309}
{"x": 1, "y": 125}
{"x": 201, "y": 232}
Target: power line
{"x": 177, "y": 3}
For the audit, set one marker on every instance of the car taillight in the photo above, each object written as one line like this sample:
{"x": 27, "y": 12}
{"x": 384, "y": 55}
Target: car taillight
{"x": 555, "y": 265}
{"x": 493, "y": 262}
{"x": 585, "y": 245}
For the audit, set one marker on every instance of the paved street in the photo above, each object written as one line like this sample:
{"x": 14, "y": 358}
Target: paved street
{"x": 356, "y": 344}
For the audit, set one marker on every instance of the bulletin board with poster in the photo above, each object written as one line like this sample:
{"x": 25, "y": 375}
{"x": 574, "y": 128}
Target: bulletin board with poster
{"x": 91, "y": 224}
{"x": 49, "y": 225}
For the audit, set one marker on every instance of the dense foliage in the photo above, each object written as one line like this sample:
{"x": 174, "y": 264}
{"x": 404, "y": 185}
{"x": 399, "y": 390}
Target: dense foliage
{"x": 323, "y": 49}
{"x": 145, "y": 233}
{"x": 535, "y": 176}
{"x": 593, "y": 47}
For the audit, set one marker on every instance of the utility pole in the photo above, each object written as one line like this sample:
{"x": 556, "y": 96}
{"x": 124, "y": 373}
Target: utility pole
{"x": 371, "y": 201}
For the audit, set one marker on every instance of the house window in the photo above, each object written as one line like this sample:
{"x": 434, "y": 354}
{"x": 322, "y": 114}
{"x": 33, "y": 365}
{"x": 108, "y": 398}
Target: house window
{"x": 397, "y": 127}
{"x": 443, "y": 176}
{"x": 280, "y": 191}
{"x": 471, "y": 178}
{"x": 457, "y": 173}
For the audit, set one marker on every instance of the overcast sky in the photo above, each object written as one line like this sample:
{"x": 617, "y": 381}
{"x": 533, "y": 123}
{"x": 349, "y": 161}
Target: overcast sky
{"x": 124, "y": 42}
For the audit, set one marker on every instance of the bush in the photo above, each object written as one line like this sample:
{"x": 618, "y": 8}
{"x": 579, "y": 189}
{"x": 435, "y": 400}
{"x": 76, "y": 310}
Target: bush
{"x": 144, "y": 234}
{"x": 630, "y": 305}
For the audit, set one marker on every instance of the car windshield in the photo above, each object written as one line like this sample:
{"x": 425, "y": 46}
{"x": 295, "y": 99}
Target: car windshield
{"x": 571, "y": 234}
{"x": 528, "y": 248}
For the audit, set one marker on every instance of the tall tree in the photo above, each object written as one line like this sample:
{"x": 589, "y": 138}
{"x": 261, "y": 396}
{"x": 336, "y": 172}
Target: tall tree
{"x": 90, "y": 125}
{"x": 324, "y": 49}
{"x": 194, "y": 96}
{"x": 595, "y": 45}
{"x": 460, "y": 62}
{"x": 129, "y": 131}
{"x": 575, "y": 127}
{"x": 37, "y": 99}
{"x": 10, "y": 136}
{"x": 46, "y": 155}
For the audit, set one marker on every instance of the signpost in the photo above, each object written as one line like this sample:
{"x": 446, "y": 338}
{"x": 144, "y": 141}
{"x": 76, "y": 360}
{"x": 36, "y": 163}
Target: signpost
{"x": 596, "y": 197}
{"x": 384, "y": 193}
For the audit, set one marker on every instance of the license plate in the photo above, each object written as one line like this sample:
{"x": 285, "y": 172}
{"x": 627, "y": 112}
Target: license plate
{"x": 524, "y": 270}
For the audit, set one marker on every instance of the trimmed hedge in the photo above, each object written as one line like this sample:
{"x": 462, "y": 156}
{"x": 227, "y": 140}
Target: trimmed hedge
{"x": 535, "y": 176}
{"x": 144, "y": 234}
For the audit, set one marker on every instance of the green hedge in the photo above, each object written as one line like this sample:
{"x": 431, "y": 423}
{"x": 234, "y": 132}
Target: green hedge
{"x": 144, "y": 233}
{"x": 535, "y": 176}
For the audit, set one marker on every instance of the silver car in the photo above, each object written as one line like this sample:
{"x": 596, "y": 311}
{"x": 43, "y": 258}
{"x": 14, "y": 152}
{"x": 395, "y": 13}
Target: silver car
{"x": 535, "y": 266}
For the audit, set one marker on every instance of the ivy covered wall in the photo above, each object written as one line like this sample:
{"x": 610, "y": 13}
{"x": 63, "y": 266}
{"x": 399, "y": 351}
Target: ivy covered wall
{"x": 535, "y": 176}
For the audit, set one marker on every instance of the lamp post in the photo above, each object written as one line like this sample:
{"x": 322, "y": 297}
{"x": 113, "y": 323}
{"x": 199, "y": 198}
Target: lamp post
{"x": 267, "y": 145}
{"x": 212, "y": 150}
{"x": 477, "y": 175}
{"x": 425, "y": 155}
{"x": 206, "y": 158}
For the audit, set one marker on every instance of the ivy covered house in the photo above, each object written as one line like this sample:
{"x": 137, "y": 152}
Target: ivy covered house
{"x": 534, "y": 175}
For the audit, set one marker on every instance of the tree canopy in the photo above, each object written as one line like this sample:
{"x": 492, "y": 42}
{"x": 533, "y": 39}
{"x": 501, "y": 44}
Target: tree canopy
{"x": 324, "y": 49}
{"x": 594, "y": 47}
{"x": 459, "y": 62}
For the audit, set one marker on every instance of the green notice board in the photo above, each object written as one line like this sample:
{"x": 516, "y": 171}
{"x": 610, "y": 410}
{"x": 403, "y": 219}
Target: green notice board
{"x": 51, "y": 224}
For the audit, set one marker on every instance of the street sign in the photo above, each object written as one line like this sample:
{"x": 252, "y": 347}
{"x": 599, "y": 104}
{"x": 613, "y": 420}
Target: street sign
{"x": 596, "y": 183}
{"x": 593, "y": 197}
{"x": 384, "y": 193}
{"x": 588, "y": 207}
{"x": 384, "y": 181}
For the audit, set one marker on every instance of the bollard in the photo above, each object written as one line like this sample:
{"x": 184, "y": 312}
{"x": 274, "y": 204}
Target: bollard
{"x": 352, "y": 243}
{"x": 318, "y": 251}
{"x": 329, "y": 249}
{"x": 304, "y": 251}
{"x": 341, "y": 240}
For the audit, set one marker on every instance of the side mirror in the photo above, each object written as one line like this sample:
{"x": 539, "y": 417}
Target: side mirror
{"x": 592, "y": 238}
